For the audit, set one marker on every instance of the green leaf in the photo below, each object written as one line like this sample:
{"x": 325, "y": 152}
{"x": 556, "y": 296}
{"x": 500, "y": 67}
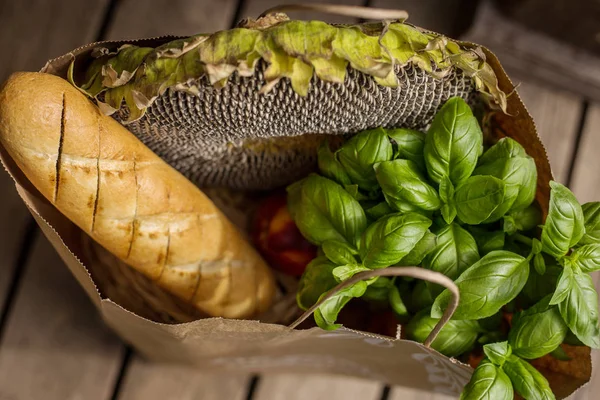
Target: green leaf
{"x": 564, "y": 225}
{"x": 330, "y": 166}
{"x": 446, "y": 190}
{"x": 565, "y": 281}
{"x": 344, "y": 272}
{"x": 380, "y": 210}
{"x": 359, "y": 154}
{"x": 356, "y": 193}
{"x": 420, "y": 251}
{"x": 527, "y": 381}
{"x": 453, "y": 142}
{"x": 391, "y": 238}
{"x": 537, "y": 331}
{"x": 455, "y": 338}
{"x": 421, "y": 297}
{"x": 487, "y": 241}
{"x": 486, "y": 286}
{"x": 340, "y": 253}
{"x": 488, "y": 382}
{"x": 560, "y": 354}
{"x": 409, "y": 145}
{"x": 316, "y": 280}
{"x": 448, "y": 213}
{"x": 323, "y": 211}
{"x": 379, "y": 290}
{"x": 480, "y": 200}
{"x": 580, "y": 309}
{"x": 507, "y": 161}
{"x": 587, "y": 257}
{"x": 397, "y": 304}
{"x": 456, "y": 250}
{"x": 327, "y": 313}
{"x": 522, "y": 220}
{"x": 539, "y": 286}
{"x": 591, "y": 218}
{"x": 402, "y": 182}
{"x": 539, "y": 264}
{"x": 572, "y": 340}
{"x": 497, "y": 353}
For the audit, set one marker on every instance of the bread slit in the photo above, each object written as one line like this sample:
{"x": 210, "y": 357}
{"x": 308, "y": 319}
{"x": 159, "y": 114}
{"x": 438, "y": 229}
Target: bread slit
{"x": 95, "y": 211}
{"x": 61, "y": 140}
{"x": 133, "y": 222}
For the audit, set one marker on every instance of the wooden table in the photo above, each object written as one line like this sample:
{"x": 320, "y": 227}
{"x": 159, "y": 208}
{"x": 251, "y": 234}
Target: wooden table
{"x": 53, "y": 344}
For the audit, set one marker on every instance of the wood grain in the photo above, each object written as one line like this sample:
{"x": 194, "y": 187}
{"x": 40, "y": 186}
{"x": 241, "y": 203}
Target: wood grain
{"x": 135, "y": 19}
{"x": 150, "y": 381}
{"x": 253, "y": 8}
{"x": 586, "y": 186}
{"x": 55, "y": 346}
{"x": 31, "y": 32}
{"x": 556, "y": 114}
{"x": 315, "y": 387}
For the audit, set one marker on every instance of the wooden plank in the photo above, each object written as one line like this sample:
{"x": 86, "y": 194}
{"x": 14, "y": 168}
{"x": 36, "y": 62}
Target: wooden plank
{"x": 253, "y": 8}
{"x": 535, "y": 55}
{"x": 586, "y": 186}
{"x": 31, "y": 32}
{"x": 556, "y": 114}
{"x": 450, "y": 17}
{"x": 150, "y": 381}
{"x": 134, "y": 19}
{"x": 143, "y": 379}
{"x": 55, "y": 345}
{"x": 315, "y": 387}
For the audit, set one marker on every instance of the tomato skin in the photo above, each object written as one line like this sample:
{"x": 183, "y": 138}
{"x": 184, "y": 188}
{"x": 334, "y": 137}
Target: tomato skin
{"x": 277, "y": 238}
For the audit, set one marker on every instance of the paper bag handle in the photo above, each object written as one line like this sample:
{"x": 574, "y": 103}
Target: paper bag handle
{"x": 344, "y": 10}
{"x": 413, "y": 272}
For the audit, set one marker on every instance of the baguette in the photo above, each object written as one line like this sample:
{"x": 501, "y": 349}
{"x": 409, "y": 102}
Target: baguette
{"x": 100, "y": 176}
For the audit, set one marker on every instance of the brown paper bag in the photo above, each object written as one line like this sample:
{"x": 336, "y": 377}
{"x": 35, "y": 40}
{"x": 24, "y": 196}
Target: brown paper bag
{"x": 236, "y": 345}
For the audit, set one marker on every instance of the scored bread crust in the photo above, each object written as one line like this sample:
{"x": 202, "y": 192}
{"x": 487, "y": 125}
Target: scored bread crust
{"x": 125, "y": 197}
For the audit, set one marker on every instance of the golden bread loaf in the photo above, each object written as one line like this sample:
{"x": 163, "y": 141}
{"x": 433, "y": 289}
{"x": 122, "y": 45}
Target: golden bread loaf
{"x": 100, "y": 176}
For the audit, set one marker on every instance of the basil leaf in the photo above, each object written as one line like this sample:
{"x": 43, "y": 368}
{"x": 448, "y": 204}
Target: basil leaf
{"x": 487, "y": 241}
{"x": 447, "y": 197}
{"x": 379, "y": 211}
{"x": 402, "y": 182}
{"x": 323, "y": 211}
{"x": 488, "y": 382}
{"x": 572, "y": 340}
{"x": 522, "y": 220}
{"x": 327, "y": 313}
{"x": 539, "y": 286}
{"x": 486, "y": 286}
{"x": 397, "y": 304}
{"x": 455, "y": 338}
{"x": 537, "y": 331}
{"x": 580, "y": 309}
{"x": 344, "y": 272}
{"x": 539, "y": 264}
{"x": 564, "y": 224}
{"x": 355, "y": 192}
{"x": 560, "y": 354}
{"x": 456, "y": 250}
{"x": 527, "y": 381}
{"x": 391, "y": 238}
{"x": 409, "y": 144}
{"x": 587, "y": 257}
{"x": 330, "y": 166}
{"x": 453, "y": 142}
{"x": 497, "y": 353}
{"x": 420, "y": 251}
{"x": 507, "y": 160}
{"x": 480, "y": 200}
{"x": 316, "y": 280}
{"x": 591, "y": 218}
{"x": 339, "y": 253}
{"x": 421, "y": 297}
{"x": 449, "y": 213}
{"x": 565, "y": 282}
{"x": 359, "y": 154}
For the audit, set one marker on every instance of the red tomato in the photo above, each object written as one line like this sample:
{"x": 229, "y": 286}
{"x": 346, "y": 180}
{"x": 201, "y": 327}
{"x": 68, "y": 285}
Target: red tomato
{"x": 278, "y": 239}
